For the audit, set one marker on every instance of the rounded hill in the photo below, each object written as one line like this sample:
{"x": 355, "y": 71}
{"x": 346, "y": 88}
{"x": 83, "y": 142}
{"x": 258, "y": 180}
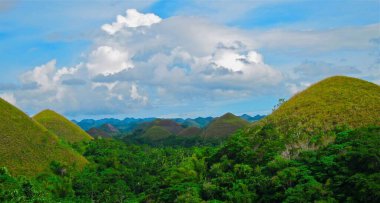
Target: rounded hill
{"x": 155, "y": 133}
{"x": 224, "y": 126}
{"x": 333, "y": 102}
{"x": 27, "y": 148}
{"x": 61, "y": 126}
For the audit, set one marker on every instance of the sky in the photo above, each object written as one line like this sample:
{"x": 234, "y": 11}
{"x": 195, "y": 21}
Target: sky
{"x": 179, "y": 58}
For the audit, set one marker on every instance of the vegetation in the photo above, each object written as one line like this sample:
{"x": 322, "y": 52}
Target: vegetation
{"x": 265, "y": 162}
{"x": 59, "y": 125}
{"x": 344, "y": 171}
{"x": 27, "y": 148}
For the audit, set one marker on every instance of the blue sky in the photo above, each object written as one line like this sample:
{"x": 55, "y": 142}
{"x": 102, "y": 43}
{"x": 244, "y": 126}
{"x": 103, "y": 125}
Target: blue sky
{"x": 179, "y": 58}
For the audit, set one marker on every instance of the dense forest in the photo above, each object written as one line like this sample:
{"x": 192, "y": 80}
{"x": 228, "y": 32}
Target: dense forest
{"x": 249, "y": 167}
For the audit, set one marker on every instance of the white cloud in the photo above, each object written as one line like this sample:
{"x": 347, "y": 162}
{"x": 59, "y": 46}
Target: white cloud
{"x": 108, "y": 60}
{"x": 41, "y": 75}
{"x": 136, "y": 95}
{"x": 132, "y": 19}
{"x": 179, "y": 61}
{"x": 295, "y": 88}
{"x": 9, "y": 97}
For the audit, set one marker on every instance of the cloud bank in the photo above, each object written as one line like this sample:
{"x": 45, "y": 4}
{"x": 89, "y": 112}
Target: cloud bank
{"x": 141, "y": 61}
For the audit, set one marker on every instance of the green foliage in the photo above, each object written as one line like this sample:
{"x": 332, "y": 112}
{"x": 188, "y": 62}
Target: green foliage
{"x": 249, "y": 167}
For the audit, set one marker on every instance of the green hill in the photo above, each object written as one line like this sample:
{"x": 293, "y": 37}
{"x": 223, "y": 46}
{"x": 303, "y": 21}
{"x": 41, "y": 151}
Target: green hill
{"x": 330, "y": 103}
{"x": 169, "y": 125}
{"x": 62, "y": 127}
{"x": 106, "y": 131}
{"x": 190, "y": 131}
{"x": 191, "y": 123}
{"x": 155, "y": 133}
{"x": 27, "y": 148}
{"x": 224, "y": 126}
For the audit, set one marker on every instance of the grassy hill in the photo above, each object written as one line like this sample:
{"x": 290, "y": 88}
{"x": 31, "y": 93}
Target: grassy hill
{"x": 155, "y": 133}
{"x": 27, "y": 147}
{"x": 332, "y": 102}
{"x": 106, "y": 131}
{"x": 224, "y": 126}
{"x": 191, "y": 123}
{"x": 59, "y": 125}
{"x": 169, "y": 125}
{"x": 190, "y": 131}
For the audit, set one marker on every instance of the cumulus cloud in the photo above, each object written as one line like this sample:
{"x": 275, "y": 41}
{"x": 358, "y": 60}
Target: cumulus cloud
{"x": 308, "y": 72}
{"x": 142, "y": 60}
{"x": 178, "y": 61}
{"x": 294, "y": 88}
{"x": 132, "y": 19}
{"x": 136, "y": 95}
{"x": 108, "y": 60}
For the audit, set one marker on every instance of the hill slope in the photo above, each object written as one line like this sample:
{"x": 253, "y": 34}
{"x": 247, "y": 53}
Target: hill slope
{"x": 332, "y": 102}
{"x": 224, "y": 126}
{"x": 105, "y": 131}
{"x": 62, "y": 127}
{"x": 155, "y": 133}
{"x": 26, "y": 147}
{"x": 190, "y": 131}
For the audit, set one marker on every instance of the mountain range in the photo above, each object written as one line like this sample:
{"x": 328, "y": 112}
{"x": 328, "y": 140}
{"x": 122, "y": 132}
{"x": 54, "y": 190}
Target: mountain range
{"x": 130, "y": 124}
{"x": 171, "y": 131}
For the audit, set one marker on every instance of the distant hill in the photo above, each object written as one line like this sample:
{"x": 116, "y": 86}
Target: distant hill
{"x": 158, "y": 129}
{"x": 62, "y": 127}
{"x": 169, "y": 125}
{"x": 105, "y": 131}
{"x": 130, "y": 124}
{"x": 125, "y": 125}
{"x": 224, "y": 126}
{"x": 27, "y": 147}
{"x": 332, "y": 102}
{"x": 203, "y": 121}
{"x": 252, "y": 118}
{"x": 155, "y": 133}
{"x": 148, "y": 131}
{"x": 190, "y": 131}
{"x": 190, "y": 123}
